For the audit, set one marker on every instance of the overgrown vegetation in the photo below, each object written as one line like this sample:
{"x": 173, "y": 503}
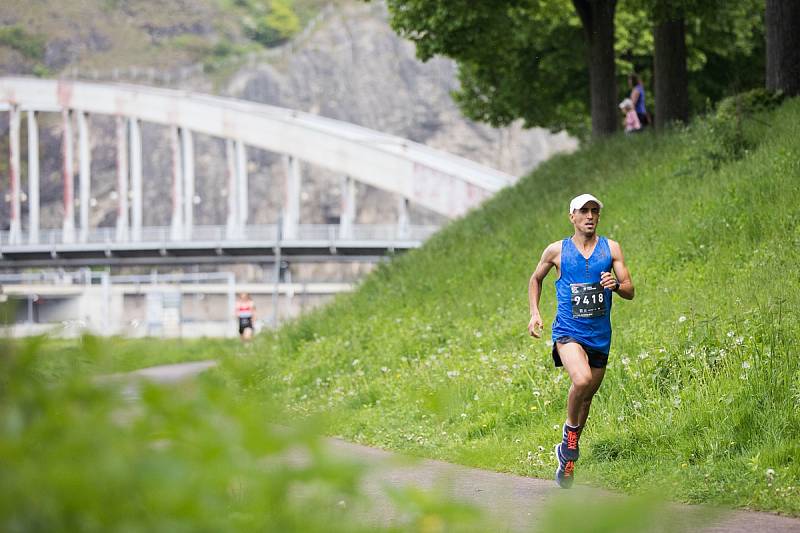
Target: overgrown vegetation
{"x": 431, "y": 355}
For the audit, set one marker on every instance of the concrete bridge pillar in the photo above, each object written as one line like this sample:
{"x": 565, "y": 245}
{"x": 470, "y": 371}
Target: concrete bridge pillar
{"x": 291, "y": 205}
{"x": 68, "y": 171}
{"x": 15, "y": 233}
{"x": 232, "y": 226}
{"x": 187, "y": 157}
{"x": 241, "y": 183}
{"x": 402, "y": 217}
{"x": 33, "y": 178}
{"x": 122, "y": 179}
{"x": 84, "y": 174}
{"x": 348, "y": 215}
{"x": 136, "y": 179}
{"x": 176, "y": 224}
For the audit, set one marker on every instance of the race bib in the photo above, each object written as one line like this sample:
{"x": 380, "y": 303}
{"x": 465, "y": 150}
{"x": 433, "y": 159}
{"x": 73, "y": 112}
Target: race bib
{"x": 588, "y": 300}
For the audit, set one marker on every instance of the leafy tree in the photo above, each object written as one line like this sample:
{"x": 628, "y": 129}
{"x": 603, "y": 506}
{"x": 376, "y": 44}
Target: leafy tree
{"x": 521, "y": 59}
{"x": 528, "y": 58}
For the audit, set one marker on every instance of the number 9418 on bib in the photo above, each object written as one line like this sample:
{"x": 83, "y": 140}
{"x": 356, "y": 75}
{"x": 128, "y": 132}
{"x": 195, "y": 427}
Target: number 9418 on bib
{"x": 588, "y": 300}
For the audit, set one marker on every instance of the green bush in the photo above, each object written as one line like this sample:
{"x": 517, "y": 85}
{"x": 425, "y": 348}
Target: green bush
{"x": 721, "y": 135}
{"x": 30, "y": 45}
{"x": 272, "y": 23}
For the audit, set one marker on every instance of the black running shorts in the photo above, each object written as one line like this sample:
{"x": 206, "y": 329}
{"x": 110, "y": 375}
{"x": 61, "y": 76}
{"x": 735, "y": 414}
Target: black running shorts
{"x": 596, "y": 359}
{"x": 245, "y": 323}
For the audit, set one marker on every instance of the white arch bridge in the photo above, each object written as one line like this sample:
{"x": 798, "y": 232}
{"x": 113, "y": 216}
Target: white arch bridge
{"x": 444, "y": 183}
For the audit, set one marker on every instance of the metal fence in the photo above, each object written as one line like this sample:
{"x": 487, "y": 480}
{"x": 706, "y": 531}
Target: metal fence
{"x": 329, "y": 233}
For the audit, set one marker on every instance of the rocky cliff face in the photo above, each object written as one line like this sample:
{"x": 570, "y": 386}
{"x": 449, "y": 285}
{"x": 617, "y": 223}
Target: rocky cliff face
{"x": 353, "y": 67}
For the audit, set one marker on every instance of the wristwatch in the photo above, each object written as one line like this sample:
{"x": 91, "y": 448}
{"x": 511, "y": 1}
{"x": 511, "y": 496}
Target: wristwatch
{"x": 616, "y": 287}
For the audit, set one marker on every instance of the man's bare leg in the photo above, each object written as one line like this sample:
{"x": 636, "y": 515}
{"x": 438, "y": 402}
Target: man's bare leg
{"x": 585, "y": 382}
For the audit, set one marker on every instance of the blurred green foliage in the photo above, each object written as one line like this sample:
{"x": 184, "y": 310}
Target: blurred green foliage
{"x": 79, "y": 453}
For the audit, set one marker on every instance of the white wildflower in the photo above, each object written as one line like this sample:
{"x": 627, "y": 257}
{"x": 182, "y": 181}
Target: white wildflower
{"x": 637, "y": 405}
{"x": 463, "y": 415}
{"x": 452, "y": 373}
{"x": 739, "y": 341}
{"x": 555, "y": 426}
{"x": 537, "y": 393}
{"x": 355, "y": 362}
{"x": 676, "y": 402}
{"x": 731, "y": 334}
{"x": 625, "y": 361}
{"x": 746, "y": 364}
{"x": 384, "y": 369}
{"x": 478, "y": 334}
{"x": 643, "y": 356}
{"x": 681, "y": 319}
{"x": 475, "y": 398}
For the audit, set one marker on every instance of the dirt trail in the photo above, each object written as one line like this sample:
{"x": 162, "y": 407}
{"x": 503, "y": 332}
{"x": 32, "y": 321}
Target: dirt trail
{"x": 512, "y": 502}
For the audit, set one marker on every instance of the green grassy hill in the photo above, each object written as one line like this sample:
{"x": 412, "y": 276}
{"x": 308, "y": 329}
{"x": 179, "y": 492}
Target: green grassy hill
{"x": 702, "y": 395}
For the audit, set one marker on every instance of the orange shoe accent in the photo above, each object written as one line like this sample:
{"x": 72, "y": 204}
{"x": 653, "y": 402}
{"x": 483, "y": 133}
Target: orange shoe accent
{"x": 572, "y": 440}
{"x": 568, "y": 468}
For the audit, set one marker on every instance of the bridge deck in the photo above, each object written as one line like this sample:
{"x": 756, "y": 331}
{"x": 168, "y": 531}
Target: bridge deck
{"x": 210, "y": 245}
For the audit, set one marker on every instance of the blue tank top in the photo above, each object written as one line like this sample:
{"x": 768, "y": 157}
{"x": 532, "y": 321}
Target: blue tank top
{"x": 593, "y": 332}
{"x": 640, "y": 108}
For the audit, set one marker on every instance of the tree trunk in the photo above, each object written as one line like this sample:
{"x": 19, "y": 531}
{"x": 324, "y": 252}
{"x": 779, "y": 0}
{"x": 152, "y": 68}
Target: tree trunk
{"x": 783, "y": 46}
{"x": 671, "y": 79}
{"x": 597, "y": 17}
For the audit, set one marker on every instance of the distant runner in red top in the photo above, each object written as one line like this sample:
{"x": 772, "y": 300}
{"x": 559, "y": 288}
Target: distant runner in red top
{"x": 245, "y": 312}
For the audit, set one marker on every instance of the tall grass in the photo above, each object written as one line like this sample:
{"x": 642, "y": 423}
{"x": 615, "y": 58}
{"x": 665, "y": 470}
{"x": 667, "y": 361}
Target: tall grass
{"x": 702, "y": 394}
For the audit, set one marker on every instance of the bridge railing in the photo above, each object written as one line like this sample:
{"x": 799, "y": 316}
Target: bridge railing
{"x": 331, "y": 233}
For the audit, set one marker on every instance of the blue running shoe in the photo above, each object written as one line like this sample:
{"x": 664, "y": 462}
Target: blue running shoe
{"x": 569, "y": 444}
{"x": 565, "y": 470}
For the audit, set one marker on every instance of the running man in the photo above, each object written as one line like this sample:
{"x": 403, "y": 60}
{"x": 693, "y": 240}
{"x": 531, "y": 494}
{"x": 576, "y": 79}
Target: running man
{"x": 582, "y": 327}
{"x": 245, "y": 312}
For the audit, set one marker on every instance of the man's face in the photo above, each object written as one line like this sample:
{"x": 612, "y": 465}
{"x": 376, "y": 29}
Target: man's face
{"x": 586, "y": 218}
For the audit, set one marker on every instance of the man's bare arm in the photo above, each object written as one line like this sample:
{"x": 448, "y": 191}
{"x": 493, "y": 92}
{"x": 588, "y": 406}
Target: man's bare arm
{"x": 535, "y": 287}
{"x": 626, "y": 289}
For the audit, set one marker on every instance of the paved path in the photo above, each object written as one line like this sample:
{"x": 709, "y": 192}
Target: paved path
{"x": 511, "y": 501}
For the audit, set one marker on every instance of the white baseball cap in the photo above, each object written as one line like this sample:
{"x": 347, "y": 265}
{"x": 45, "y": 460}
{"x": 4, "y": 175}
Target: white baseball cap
{"x": 582, "y": 200}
